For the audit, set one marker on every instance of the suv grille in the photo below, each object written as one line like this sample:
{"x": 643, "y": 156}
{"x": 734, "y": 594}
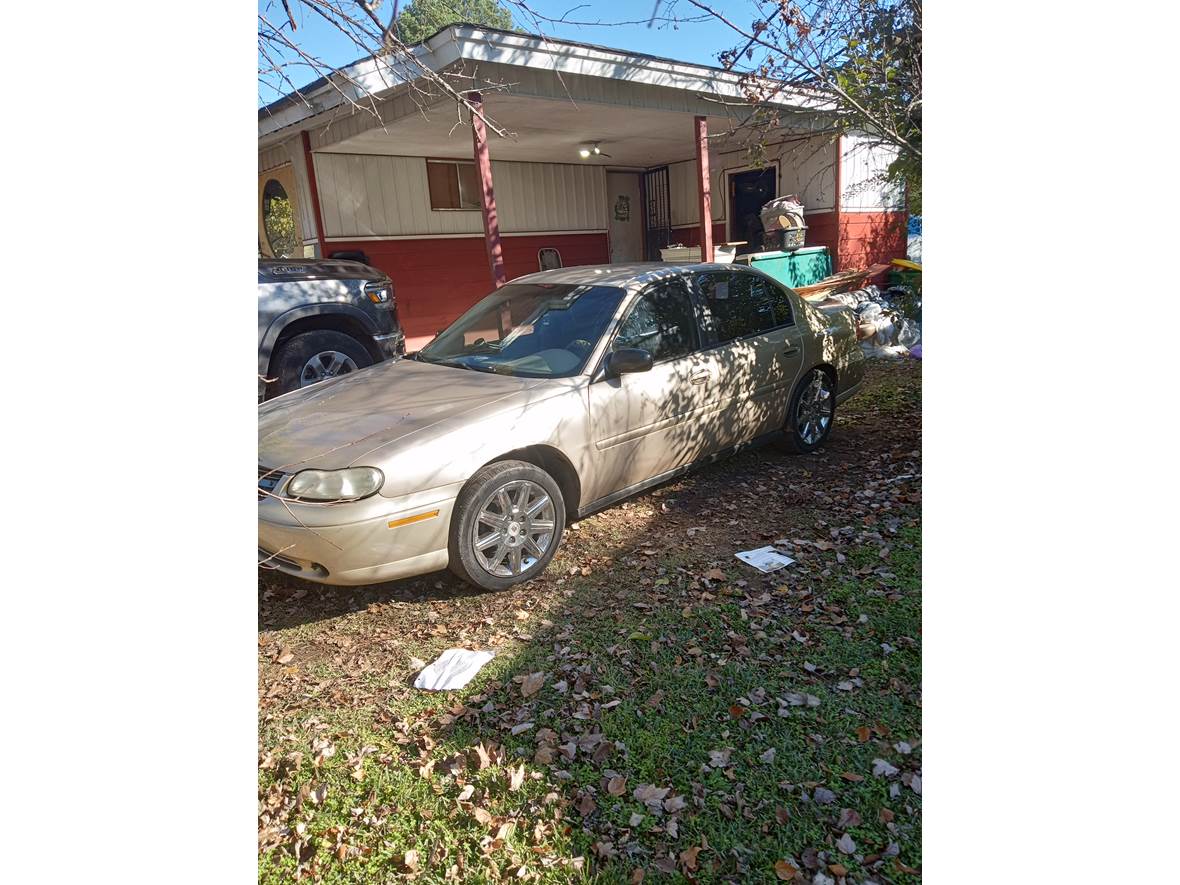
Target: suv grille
{"x": 268, "y": 480}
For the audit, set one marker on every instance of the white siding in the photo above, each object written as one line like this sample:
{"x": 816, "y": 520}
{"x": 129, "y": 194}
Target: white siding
{"x": 291, "y": 151}
{"x": 864, "y": 164}
{"x": 805, "y": 167}
{"x": 364, "y": 195}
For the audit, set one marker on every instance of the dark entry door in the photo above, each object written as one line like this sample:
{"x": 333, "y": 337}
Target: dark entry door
{"x": 748, "y": 193}
{"x": 658, "y": 224}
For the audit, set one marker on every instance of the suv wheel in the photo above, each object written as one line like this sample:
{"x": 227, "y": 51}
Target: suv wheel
{"x": 311, "y": 357}
{"x": 507, "y": 525}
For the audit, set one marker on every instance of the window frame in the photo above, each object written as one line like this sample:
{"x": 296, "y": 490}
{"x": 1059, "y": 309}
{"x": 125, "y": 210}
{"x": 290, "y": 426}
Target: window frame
{"x": 455, "y": 164}
{"x": 599, "y": 373}
{"x": 708, "y": 320}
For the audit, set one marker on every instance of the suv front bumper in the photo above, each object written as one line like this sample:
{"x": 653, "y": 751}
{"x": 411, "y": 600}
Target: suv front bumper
{"x": 391, "y": 345}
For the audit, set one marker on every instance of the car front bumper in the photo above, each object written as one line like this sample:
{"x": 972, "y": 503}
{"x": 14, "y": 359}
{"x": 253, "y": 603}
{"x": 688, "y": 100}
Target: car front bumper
{"x": 365, "y": 542}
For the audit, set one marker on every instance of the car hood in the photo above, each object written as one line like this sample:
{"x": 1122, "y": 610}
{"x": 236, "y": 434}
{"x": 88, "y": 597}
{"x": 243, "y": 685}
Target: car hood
{"x": 334, "y": 423}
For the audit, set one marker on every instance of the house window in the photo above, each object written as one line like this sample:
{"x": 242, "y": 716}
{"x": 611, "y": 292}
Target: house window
{"x": 278, "y": 220}
{"x": 453, "y": 185}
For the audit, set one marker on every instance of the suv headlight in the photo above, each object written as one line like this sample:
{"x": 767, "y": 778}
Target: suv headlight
{"x": 350, "y": 484}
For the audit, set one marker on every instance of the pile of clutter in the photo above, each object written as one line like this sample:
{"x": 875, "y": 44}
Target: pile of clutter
{"x": 887, "y": 320}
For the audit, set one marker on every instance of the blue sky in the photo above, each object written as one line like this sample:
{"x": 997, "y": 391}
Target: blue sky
{"x": 698, "y": 42}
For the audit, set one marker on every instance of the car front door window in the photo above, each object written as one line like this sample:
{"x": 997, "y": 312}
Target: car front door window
{"x": 661, "y": 322}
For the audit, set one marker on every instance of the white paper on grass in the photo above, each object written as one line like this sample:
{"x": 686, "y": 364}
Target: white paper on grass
{"x": 454, "y": 668}
{"x": 765, "y": 559}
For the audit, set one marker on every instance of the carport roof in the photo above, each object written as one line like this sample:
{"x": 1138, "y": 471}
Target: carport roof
{"x": 454, "y": 44}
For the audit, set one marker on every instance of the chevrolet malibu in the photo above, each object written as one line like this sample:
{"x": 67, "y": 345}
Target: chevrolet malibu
{"x": 557, "y": 395}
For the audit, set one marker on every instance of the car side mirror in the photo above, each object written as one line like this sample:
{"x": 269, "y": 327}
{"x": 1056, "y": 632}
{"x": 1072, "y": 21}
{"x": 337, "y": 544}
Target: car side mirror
{"x": 627, "y": 360}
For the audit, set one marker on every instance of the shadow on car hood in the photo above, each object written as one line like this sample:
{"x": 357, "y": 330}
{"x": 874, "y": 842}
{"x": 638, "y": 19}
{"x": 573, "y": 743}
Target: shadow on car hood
{"x": 336, "y": 421}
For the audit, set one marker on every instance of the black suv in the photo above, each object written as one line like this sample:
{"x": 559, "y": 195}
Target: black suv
{"x": 321, "y": 318}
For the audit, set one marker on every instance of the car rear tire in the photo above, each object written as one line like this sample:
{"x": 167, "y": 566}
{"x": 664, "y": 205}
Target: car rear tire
{"x": 311, "y": 357}
{"x": 812, "y": 412}
{"x": 507, "y": 525}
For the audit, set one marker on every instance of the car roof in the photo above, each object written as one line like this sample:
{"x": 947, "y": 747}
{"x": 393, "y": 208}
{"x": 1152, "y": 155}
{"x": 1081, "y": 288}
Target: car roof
{"x": 622, "y": 275}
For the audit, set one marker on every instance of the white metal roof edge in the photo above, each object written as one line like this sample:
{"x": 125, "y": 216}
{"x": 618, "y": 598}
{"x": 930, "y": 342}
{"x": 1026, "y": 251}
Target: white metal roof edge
{"x": 373, "y": 77}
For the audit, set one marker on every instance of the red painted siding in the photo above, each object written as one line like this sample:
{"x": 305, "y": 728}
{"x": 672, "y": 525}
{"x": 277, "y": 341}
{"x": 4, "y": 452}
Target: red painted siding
{"x": 871, "y": 238}
{"x": 436, "y": 279}
{"x": 821, "y": 231}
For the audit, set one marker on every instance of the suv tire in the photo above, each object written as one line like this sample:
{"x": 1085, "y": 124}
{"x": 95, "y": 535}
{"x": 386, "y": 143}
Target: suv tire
{"x": 323, "y": 352}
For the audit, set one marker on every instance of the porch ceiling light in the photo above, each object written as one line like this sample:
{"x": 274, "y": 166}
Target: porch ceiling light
{"x": 585, "y": 152}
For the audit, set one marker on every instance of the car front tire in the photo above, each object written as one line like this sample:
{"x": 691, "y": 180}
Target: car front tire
{"x": 507, "y": 525}
{"x": 811, "y": 413}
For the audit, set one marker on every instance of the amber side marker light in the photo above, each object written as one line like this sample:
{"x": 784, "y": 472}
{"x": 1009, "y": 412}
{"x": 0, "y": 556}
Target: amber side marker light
{"x": 418, "y": 517}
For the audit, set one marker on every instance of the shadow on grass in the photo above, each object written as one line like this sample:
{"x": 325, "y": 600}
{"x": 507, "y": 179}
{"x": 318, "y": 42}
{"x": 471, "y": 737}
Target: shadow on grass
{"x": 668, "y": 675}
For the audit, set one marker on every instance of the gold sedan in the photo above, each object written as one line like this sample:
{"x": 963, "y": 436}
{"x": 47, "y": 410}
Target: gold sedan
{"x": 557, "y": 395}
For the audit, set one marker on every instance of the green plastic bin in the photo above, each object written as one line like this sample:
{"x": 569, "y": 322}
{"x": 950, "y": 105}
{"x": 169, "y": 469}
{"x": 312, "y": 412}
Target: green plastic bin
{"x": 799, "y": 267}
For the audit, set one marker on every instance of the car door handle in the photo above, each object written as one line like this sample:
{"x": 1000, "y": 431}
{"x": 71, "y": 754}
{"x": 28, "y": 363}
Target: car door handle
{"x": 790, "y": 351}
{"x": 699, "y": 378}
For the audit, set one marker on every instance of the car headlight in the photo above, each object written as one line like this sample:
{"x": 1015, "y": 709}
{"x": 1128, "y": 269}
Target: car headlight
{"x": 350, "y": 484}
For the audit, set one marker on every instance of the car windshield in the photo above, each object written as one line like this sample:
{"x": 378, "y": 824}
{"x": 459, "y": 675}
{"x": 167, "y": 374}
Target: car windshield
{"x": 529, "y": 329}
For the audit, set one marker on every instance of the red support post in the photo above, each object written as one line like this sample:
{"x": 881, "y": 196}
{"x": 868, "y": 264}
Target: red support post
{"x": 836, "y": 268}
{"x": 706, "y": 197}
{"x": 487, "y": 197}
{"x": 314, "y": 191}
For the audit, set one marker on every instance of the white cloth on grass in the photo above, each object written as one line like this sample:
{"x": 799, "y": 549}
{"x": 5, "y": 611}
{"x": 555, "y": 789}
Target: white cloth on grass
{"x": 454, "y": 668}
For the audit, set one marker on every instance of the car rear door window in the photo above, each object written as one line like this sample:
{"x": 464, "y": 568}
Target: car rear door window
{"x": 743, "y": 304}
{"x": 661, "y": 322}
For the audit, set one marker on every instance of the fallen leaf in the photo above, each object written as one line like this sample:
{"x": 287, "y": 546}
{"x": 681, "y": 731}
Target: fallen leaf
{"x": 286, "y": 656}
{"x": 637, "y": 876}
{"x": 846, "y": 844}
{"x": 410, "y": 859}
{"x": 531, "y": 684}
{"x": 482, "y": 815}
{"x": 688, "y": 858}
{"x": 719, "y": 758}
{"x": 852, "y": 776}
{"x": 617, "y": 785}
{"x": 781, "y": 815}
{"x": 838, "y": 869}
{"x": 768, "y": 756}
{"x": 516, "y": 778}
{"x": 648, "y": 793}
{"x": 673, "y": 804}
{"x": 784, "y": 870}
{"x": 881, "y": 768}
{"x": 586, "y": 805}
{"x": 848, "y": 818}
{"x": 466, "y": 793}
{"x": 715, "y": 574}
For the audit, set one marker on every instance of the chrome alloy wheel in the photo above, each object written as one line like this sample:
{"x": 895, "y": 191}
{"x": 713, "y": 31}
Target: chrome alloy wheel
{"x": 514, "y": 528}
{"x": 325, "y": 365}
{"x": 813, "y": 415}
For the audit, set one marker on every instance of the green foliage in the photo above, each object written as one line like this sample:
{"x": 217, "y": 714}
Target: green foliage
{"x": 280, "y": 226}
{"x": 861, "y": 58}
{"x": 421, "y": 18}
{"x": 882, "y": 74}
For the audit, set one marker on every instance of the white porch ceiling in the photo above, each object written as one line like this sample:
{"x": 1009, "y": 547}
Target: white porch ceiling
{"x": 543, "y": 131}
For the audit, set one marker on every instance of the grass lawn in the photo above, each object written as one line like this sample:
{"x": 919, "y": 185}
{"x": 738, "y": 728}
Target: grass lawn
{"x": 656, "y": 709}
